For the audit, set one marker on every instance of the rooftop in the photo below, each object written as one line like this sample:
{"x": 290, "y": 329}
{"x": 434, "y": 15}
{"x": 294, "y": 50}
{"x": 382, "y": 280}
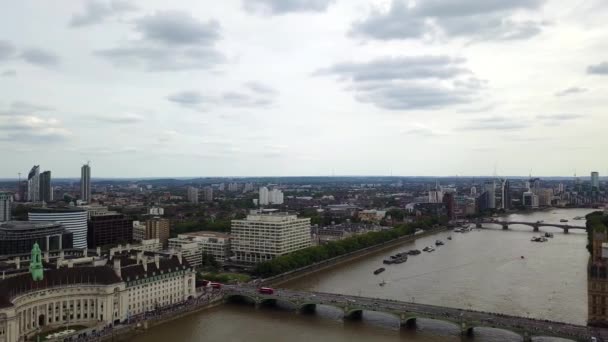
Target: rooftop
{"x": 207, "y": 234}
{"x": 28, "y": 225}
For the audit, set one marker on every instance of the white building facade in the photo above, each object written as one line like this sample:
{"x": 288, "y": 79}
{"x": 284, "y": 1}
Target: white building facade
{"x": 73, "y": 219}
{"x": 264, "y": 236}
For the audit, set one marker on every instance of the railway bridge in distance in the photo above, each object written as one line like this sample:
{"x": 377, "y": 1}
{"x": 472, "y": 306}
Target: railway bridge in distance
{"x": 535, "y": 225}
{"x": 407, "y": 313}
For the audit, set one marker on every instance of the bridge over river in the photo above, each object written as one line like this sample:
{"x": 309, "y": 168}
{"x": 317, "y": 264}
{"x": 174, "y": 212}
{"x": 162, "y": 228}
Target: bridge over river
{"x": 406, "y": 313}
{"x": 535, "y": 225}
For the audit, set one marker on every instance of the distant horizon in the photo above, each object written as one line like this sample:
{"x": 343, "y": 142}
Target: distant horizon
{"x": 309, "y": 176}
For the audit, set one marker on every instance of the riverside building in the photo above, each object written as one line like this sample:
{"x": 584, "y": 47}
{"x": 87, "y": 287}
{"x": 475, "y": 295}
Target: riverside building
{"x": 265, "y": 235}
{"x": 90, "y": 291}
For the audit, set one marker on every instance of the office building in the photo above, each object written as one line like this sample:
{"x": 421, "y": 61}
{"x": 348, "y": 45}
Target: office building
{"x": 208, "y": 194}
{"x": 21, "y": 195}
{"x": 5, "y": 206}
{"x": 264, "y": 236}
{"x": 263, "y": 196}
{"x": 212, "y": 243}
{"x": 18, "y": 237}
{"x": 156, "y": 211}
{"x": 33, "y": 184}
{"x": 191, "y": 251}
{"x": 192, "y": 195}
{"x": 109, "y": 229}
{"x": 275, "y": 196}
{"x": 46, "y": 190}
{"x": 221, "y": 187}
{"x": 85, "y": 183}
{"x": 449, "y": 199}
{"x": 530, "y": 200}
{"x": 506, "y": 195}
{"x": 90, "y": 291}
{"x": 73, "y": 219}
{"x": 595, "y": 180}
{"x": 490, "y": 188}
{"x": 233, "y": 187}
{"x": 157, "y": 228}
{"x": 248, "y": 187}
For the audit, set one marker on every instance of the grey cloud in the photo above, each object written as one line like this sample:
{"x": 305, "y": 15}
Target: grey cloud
{"x": 174, "y": 27}
{"x": 162, "y": 59}
{"x": 18, "y": 108}
{"x": 127, "y": 118}
{"x": 7, "y": 50}
{"x": 440, "y": 67}
{"x": 457, "y": 8}
{"x": 9, "y": 73}
{"x": 194, "y": 99}
{"x": 187, "y": 98}
{"x": 40, "y": 57}
{"x": 410, "y": 97}
{"x": 570, "y": 91}
{"x": 406, "y": 83}
{"x": 497, "y": 123}
{"x": 32, "y": 129}
{"x": 480, "y": 20}
{"x": 260, "y": 88}
{"x": 96, "y": 12}
{"x": 598, "y": 69}
{"x": 556, "y": 119}
{"x": 171, "y": 41}
{"x": 278, "y": 7}
{"x": 244, "y": 100}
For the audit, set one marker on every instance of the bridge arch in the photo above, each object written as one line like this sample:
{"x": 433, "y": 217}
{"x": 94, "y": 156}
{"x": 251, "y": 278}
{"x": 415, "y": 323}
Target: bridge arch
{"x": 240, "y": 298}
{"x": 275, "y": 302}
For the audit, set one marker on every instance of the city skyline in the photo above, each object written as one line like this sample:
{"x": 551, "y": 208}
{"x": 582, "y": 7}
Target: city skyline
{"x": 306, "y": 87}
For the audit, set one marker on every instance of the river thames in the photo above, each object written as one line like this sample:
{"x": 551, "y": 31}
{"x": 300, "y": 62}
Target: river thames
{"x": 480, "y": 270}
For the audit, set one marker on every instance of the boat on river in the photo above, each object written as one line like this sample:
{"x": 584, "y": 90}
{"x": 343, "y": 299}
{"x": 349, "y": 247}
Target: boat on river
{"x": 414, "y": 252}
{"x": 438, "y": 243}
{"x": 548, "y": 235}
{"x": 380, "y": 270}
{"x": 563, "y": 220}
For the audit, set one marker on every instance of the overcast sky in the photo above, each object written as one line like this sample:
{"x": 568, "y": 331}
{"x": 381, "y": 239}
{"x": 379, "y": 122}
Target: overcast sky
{"x": 304, "y": 87}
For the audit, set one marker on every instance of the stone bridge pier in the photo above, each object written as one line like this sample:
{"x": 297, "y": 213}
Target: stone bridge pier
{"x": 536, "y": 227}
{"x": 566, "y": 231}
{"x": 505, "y": 226}
{"x": 478, "y": 225}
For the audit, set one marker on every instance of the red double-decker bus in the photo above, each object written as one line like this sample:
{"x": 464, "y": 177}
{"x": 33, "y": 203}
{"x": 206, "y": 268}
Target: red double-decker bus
{"x": 266, "y": 290}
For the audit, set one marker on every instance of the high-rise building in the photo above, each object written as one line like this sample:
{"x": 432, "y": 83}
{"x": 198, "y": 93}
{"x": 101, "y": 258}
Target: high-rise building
{"x": 264, "y": 236}
{"x": 5, "y": 206}
{"x": 73, "y": 219}
{"x": 248, "y": 187}
{"x": 192, "y": 195}
{"x": 263, "y": 197}
{"x": 473, "y": 191}
{"x": 208, "y": 194}
{"x": 33, "y": 184}
{"x": 595, "y": 179}
{"x": 490, "y": 188}
{"x": 275, "y": 196}
{"x": 158, "y": 228}
{"x": 450, "y": 204}
{"x": 233, "y": 187}
{"x": 506, "y": 195}
{"x": 46, "y": 190}
{"x": 530, "y": 200}
{"x": 21, "y": 195}
{"x": 221, "y": 187}
{"x": 85, "y": 183}
{"x": 109, "y": 229}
